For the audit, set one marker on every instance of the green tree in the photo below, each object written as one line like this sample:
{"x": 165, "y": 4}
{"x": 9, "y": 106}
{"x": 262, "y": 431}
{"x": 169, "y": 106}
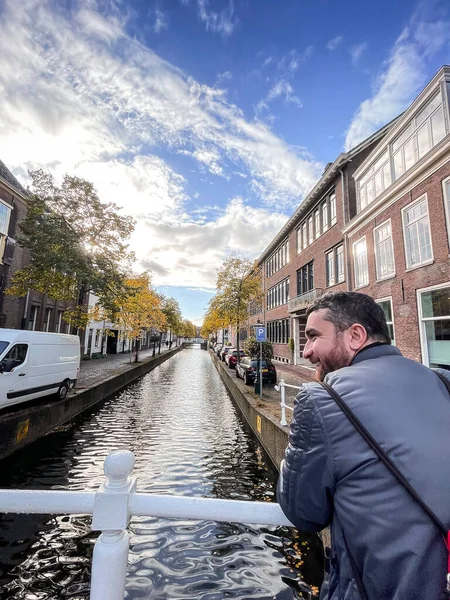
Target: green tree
{"x": 251, "y": 347}
{"x": 238, "y": 282}
{"x": 76, "y": 244}
{"x": 174, "y": 319}
{"x": 188, "y": 329}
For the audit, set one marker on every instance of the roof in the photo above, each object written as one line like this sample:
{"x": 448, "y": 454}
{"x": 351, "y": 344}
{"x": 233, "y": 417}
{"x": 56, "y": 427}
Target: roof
{"x": 7, "y": 176}
{"x": 321, "y": 186}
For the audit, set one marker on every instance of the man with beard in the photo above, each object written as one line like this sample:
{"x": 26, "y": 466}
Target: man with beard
{"x": 384, "y": 545}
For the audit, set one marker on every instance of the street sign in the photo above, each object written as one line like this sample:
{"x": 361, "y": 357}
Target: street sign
{"x": 260, "y": 334}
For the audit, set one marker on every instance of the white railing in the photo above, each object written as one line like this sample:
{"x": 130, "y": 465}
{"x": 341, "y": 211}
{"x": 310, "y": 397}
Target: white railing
{"x": 280, "y": 387}
{"x": 116, "y": 502}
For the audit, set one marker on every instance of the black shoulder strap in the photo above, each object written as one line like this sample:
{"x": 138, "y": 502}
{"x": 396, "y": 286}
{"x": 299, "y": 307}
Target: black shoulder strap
{"x": 383, "y": 456}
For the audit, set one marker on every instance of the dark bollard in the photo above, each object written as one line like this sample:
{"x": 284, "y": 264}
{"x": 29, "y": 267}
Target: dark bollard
{"x": 257, "y": 385}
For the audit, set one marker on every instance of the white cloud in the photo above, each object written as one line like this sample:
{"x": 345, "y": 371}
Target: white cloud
{"x": 240, "y": 227}
{"x": 222, "y": 22}
{"x": 281, "y": 89}
{"x": 161, "y": 20}
{"x": 357, "y": 51}
{"x": 225, "y": 76}
{"x": 335, "y": 42}
{"x": 404, "y": 74}
{"x": 292, "y": 61}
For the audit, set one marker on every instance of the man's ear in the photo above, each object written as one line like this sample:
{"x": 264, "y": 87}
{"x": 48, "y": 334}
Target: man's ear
{"x": 357, "y": 337}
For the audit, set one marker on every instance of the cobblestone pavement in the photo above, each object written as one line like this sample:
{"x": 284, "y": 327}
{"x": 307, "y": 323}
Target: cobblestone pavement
{"x": 98, "y": 368}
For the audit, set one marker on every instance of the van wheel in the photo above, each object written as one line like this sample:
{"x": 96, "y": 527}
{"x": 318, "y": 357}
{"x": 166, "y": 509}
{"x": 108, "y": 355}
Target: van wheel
{"x": 63, "y": 390}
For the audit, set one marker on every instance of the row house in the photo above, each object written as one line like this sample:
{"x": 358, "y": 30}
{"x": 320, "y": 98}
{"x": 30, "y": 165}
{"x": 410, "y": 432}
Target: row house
{"x": 35, "y": 311}
{"x": 378, "y": 221}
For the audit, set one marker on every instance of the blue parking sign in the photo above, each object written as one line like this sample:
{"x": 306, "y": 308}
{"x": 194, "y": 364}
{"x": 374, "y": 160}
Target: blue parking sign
{"x": 260, "y": 334}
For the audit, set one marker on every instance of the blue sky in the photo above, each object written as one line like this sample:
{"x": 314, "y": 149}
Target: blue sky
{"x": 207, "y": 120}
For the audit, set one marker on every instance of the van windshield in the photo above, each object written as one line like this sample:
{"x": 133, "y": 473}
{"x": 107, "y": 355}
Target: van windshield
{"x": 3, "y": 346}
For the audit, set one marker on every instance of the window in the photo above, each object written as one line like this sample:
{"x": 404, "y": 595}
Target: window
{"x": 425, "y": 130}
{"x": 59, "y": 322}
{"x": 335, "y": 265}
{"x": 278, "y": 331}
{"x": 32, "y": 318}
{"x": 384, "y": 251}
{"x": 317, "y": 222}
{"x": 305, "y": 279}
{"x": 304, "y": 235}
{"x": 15, "y": 357}
{"x": 299, "y": 240}
{"x": 416, "y": 226}
{"x": 4, "y": 218}
{"x": 278, "y": 294}
{"x": 361, "y": 265}
{"x": 434, "y": 315}
{"x": 446, "y": 186}
{"x": 278, "y": 259}
{"x": 310, "y": 230}
{"x": 324, "y": 216}
{"x": 386, "y": 305}
{"x": 330, "y": 268}
{"x": 333, "y": 209}
{"x": 48, "y": 318}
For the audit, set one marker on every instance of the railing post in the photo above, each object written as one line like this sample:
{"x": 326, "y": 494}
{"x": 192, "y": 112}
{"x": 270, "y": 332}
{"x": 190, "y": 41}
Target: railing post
{"x": 111, "y": 516}
{"x": 280, "y": 388}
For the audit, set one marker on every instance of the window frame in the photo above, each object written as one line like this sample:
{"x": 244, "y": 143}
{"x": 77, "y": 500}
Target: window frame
{"x": 422, "y": 320}
{"x": 405, "y": 209}
{"x": 446, "y": 196}
{"x": 375, "y": 246}
{"x": 389, "y": 299}
{"x": 362, "y": 285}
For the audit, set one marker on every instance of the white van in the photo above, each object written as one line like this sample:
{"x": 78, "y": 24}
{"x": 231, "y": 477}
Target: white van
{"x": 35, "y": 364}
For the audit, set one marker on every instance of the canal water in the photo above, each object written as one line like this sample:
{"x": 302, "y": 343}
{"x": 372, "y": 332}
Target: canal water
{"x": 189, "y": 440}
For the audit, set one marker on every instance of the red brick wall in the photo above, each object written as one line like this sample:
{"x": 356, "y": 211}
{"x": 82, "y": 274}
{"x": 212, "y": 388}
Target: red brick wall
{"x": 402, "y": 288}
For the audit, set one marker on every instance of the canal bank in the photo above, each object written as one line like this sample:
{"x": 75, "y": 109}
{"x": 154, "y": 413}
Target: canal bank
{"x": 31, "y": 421}
{"x": 272, "y": 436}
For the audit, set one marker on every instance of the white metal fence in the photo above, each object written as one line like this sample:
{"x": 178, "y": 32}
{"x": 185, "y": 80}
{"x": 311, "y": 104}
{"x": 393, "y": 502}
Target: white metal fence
{"x": 116, "y": 502}
{"x": 281, "y": 387}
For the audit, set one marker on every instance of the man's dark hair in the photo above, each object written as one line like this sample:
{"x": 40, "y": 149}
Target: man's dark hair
{"x": 347, "y": 308}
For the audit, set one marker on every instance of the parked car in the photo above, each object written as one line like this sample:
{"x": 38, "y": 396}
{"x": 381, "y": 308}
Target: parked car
{"x": 246, "y": 370}
{"x": 35, "y": 364}
{"x": 231, "y": 357}
{"x": 224, "y": 352}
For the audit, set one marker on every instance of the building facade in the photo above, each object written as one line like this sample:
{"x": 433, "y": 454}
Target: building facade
{"x": 378, "y": 221}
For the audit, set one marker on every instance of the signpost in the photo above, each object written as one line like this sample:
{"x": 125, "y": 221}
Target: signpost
{"x": 260, "y": 337}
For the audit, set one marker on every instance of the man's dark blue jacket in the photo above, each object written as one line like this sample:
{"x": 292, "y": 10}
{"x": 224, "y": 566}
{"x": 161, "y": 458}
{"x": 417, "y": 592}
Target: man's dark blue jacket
{"x": 330, "y": 476}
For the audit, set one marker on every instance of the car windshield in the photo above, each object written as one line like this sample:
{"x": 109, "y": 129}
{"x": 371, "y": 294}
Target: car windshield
{"x": 3, "y": 346}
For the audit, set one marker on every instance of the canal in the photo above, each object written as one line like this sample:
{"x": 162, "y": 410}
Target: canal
{"x": 188, "y": 439}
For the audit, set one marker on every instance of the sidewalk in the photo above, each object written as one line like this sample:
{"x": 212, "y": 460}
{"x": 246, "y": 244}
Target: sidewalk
{"x": 96, "y": 369}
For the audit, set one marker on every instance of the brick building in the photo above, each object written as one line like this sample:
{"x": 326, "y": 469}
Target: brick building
{"x": 35, "y": 311}
{"x": 378, "y": 221}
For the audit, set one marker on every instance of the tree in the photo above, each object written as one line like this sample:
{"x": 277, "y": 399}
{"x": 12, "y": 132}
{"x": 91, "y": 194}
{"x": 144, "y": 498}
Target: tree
{"x": 188, "y": 329}
{"x": 238, "y": 282}
{"x": 251, "y": 347}
{"x": 141, "y": 309}
{"x": 76, "y": 244}
{"x": 172, "y": 312}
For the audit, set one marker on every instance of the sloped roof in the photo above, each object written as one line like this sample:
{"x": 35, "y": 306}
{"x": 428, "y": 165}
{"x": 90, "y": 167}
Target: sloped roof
{"x": 6, "y": 174}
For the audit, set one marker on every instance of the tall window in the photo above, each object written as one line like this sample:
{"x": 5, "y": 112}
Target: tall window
{"x": 434, "y": 312}
{"x": 446, "y": 185}
{"x": 416, "y": 224}
{"x": 333, "y": 209}
{"x": 299, "y": 240}
{"x": 32, "y": 318}
{"x": 310, "y": 230}
{"x": 335, "y": 265}
{"x": 384, "y": 251}
{"x": 317, "y": 222}
{"x": 4, "y": 218}
{"x": 48, "y": 318}
{"x": 386, "y": 305}
{"x": 304, "y": 235}
{"x": 324, "y": 216}
{"x": 305, "y": 279}
{"x": 278, "y": 294}
{"x": 361, "y": 265}
{"x": 59, "y": 323}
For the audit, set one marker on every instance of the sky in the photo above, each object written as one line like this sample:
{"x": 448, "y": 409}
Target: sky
{"x": 208, "y": 121}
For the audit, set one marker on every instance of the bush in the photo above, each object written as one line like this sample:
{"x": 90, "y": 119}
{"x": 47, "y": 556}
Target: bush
{"x": 251, "y": 347}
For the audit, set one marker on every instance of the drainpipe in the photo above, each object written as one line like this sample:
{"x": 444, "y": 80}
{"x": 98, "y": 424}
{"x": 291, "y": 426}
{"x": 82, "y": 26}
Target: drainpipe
{"x": 347, "y": 255}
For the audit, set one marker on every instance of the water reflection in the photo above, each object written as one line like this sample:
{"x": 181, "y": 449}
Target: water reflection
{"x": 188, "y": 440}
